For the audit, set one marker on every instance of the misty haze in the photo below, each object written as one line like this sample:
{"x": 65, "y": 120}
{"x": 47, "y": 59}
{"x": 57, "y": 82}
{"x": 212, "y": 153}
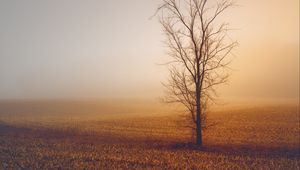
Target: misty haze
{"x": 157, "y": 84}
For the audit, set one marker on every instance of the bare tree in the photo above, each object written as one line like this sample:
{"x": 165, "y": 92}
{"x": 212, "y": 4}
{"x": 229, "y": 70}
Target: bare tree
{"x": 199, "y": 47}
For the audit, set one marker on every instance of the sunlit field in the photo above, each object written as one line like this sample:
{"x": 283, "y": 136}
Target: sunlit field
{"x": 138, "y": 135}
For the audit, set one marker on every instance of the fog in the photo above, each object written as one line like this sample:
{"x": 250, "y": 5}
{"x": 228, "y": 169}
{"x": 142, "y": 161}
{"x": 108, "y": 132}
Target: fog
{"x": 106, "y": 49}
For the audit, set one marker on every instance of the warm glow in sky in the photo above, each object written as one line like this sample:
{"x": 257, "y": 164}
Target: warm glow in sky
{"x": 110, "y": 48}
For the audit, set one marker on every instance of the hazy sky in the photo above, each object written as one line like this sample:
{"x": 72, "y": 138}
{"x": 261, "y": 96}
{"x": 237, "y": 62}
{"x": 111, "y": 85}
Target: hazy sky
{"x": 110, "y": 48}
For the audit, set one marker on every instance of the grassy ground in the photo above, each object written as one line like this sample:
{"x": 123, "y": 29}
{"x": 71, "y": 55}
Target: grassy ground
{"x": 244, "y": 138}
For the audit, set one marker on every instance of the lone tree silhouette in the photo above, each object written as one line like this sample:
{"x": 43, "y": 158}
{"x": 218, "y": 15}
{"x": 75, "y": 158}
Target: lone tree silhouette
{"x": 198, "y": 46}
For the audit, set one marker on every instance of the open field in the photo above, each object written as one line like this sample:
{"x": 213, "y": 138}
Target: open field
{"x": 248, "y": 137}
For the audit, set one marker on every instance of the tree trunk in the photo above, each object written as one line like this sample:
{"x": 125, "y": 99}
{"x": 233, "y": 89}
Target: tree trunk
{"x": 198, "y": 121}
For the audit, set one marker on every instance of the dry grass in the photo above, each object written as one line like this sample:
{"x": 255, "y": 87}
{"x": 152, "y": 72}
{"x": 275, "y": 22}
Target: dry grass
{"x": 244, "y": 138}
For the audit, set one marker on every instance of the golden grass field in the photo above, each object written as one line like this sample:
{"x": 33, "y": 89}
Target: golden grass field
{"x": 141, "y": 136}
